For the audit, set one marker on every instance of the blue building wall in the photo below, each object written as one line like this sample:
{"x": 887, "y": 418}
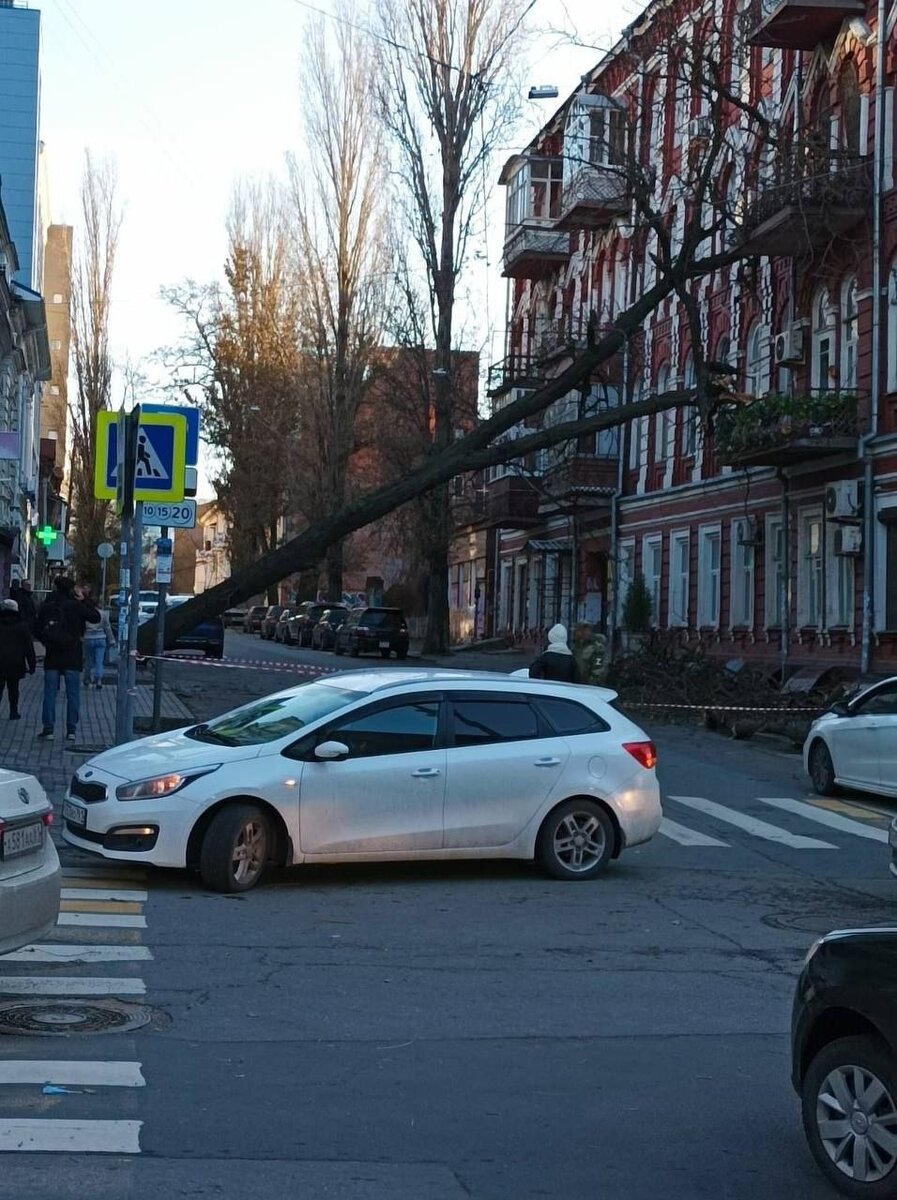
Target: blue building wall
{"x": 20, "y": 132}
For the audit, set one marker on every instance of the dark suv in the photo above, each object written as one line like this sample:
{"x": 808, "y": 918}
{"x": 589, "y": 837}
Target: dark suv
{"x": 844, "y": 1059}
{"x": 307, "y": 616}
{"x": 382, "y": 629}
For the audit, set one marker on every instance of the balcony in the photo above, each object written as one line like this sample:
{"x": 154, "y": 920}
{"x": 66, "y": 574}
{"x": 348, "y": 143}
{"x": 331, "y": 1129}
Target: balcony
{"x": 815, "y": 197}
{"x": 804, "y": 24}
{"x": 779, "y": 431}
{"x": 533, "y": 246}
{"x": 581, "y": 475}
{"x": 517, "y": 370}
{"x": 592, "y": 197}
{"x": 533, "y": 249}
{"x": 511, "y": 502}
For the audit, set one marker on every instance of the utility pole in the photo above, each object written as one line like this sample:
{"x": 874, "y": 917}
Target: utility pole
{"x": 126, "y": 445}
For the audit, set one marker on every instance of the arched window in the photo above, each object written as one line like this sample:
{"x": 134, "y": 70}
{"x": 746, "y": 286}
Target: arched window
{"x": 690, "y": 413}
{"x": 753, "y": 361}
{"x": 822, "y": 362}
{"x": 849, "y": 333}
{"x": 849, "y": 95}
{"x": 662, "y": 423}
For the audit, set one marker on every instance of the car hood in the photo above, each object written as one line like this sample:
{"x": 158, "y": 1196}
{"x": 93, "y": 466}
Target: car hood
{"x": 161, "y": 753}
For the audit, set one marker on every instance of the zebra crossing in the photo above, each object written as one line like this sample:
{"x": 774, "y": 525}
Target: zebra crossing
{"x": 864, "y": 824}
{"x": 93, "y": 955}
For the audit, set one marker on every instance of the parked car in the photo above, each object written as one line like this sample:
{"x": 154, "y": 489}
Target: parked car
{"x": 253, "y": 619}
{"x": 364, "y": 629}
{"x": 844, "y": 1059}
{"x": 381, "y": 765}
{"x": 29, "y": 864}
{"x": 854, "y": 744}
{"x": 268, "y": 623}
{"x": 281, "y": 632}
{"x": 324, "y": 633}
{"x": 207, "y": 636}
{"x": 234, "y": 618}
{"x": 306, "y": 618}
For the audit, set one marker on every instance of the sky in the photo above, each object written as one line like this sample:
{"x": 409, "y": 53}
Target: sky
{"x": 187, "y": 96}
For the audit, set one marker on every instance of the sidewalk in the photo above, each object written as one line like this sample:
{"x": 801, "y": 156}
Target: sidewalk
{"x": 53, "y": 762}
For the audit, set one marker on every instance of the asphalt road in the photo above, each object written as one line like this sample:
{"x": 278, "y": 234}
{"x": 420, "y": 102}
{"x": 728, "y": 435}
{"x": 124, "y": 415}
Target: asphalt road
{"x": 476, "y": 1030}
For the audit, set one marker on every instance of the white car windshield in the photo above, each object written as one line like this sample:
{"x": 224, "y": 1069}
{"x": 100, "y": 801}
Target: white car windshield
{"x": 275, "y": 717}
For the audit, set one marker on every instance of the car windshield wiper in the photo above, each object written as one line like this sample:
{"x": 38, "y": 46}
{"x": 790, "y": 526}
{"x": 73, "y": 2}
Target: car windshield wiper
{"x": 202, "y": 733}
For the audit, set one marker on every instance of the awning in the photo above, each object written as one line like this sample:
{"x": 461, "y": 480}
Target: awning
{"x": 548, "y": 546}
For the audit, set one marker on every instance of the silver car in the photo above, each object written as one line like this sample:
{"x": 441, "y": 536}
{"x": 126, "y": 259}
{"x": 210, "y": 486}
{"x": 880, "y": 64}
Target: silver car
{"x": 29, "y": 864}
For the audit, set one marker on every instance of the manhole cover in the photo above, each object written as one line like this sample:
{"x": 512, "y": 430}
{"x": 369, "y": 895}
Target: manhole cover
{"x": 57, "y": 1017}
{"x": 820, "y": 923}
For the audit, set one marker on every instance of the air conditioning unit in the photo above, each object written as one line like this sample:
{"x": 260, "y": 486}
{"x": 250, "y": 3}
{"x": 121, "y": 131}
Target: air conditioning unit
{"x": 700, "y": 129}
{"x": 848, "y": 541}
{"x": 788, "y": 347}
{"x": 750, "y": 532}
{"x": 844, "y": 500}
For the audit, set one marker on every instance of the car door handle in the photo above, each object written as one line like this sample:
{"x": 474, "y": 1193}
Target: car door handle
{"x": 547, "y": 762}
{"x": 426, "y": 773}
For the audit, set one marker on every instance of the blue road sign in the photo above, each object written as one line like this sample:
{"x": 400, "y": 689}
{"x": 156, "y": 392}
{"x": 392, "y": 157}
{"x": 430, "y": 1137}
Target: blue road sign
{"x": 192, "y": 417}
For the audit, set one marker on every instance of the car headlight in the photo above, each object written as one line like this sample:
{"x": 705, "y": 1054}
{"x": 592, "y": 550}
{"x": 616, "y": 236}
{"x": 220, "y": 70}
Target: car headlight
{"x": 160, "y": 786}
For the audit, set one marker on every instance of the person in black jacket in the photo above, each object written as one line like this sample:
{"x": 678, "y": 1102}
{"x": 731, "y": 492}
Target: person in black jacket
{"x": 20, "y": 591}
{"x": 556, "y": 662}
{"x": 61, "y": 621}
{"x": 16, "y": 654}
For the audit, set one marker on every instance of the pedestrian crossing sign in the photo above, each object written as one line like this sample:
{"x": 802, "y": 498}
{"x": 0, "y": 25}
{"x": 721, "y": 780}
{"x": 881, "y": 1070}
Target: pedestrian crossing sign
{"x": 161, "y": 456}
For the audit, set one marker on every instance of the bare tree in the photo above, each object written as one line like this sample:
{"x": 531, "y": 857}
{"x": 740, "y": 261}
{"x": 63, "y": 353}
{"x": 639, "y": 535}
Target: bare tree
{"x": 96, "y": 246}
{"x": 446, "y": 85}
{"x": 341, "y": 267}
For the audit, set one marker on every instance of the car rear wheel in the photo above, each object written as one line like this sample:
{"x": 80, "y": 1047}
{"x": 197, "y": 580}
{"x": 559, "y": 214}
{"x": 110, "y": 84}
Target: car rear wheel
{"x": 822, "y": 770}
{"x": 235, "y": 849}
{"x": 337, "y": 649}
{"x": 849, "y": 1108}
{"x": 354, "y": 649}
{"x": 576, "y": 840}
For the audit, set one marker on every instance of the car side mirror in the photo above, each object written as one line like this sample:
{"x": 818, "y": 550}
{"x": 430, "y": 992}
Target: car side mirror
{"x": 331, "y": 751}
{"x": 841, "y": 709}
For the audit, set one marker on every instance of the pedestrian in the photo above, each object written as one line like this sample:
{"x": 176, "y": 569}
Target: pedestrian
{"x": 97, "y": 638}
{"x": 20, "y": 591}
{"x": 556, "y": 661}
{"x": 16, "y": 654}
{"x": 590, "y": 653}
{"x": 61, "y": 622}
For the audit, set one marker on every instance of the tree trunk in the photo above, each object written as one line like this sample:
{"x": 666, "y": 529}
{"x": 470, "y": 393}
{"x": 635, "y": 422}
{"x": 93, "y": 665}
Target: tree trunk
{"x": 335, "y": 571}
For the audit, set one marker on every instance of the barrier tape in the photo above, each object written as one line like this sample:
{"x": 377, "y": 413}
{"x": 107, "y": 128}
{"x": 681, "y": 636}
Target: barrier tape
{"x": 723, "y": 708}
{"x": 231, "y": 664}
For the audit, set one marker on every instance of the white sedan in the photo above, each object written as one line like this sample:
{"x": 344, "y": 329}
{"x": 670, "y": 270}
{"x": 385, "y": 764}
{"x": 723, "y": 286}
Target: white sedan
{"x": 854, "y": 744}
{"x": 29, "y": 864}
{"x": 371, "y": 765}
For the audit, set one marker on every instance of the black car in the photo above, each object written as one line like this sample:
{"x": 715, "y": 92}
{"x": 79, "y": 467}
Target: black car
{"x": 844, "y": 1059}
{"x": 382, "y": 629}
{"x": 254, "y": 617}
{"x": 282, "y": 632}
{"x": 268, "y": 623}
{"x": 207, "y": 636}
{"x": 307, "y": 616}
{"x": 324, "y": 633}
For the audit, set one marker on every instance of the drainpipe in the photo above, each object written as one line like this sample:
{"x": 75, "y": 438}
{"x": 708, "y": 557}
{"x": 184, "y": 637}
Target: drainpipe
{"x": 868, "y": 438}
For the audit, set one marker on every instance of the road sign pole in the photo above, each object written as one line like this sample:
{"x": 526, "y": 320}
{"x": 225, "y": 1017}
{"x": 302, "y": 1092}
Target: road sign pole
{"x": 162, "y": 587}
{"x": 122, "y": 732}
{"x": 134, "y": 615}
{"x": 127, "y": 451}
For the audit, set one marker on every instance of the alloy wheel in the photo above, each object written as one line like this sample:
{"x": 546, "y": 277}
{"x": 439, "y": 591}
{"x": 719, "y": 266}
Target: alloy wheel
{"x": 856, "y": 1119}
{"x": 250, "y": 851}
{"x": 579, "y": 841}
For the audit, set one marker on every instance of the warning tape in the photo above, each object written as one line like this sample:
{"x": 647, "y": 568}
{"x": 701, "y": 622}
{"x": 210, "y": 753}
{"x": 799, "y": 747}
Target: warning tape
{"x": 741, "y": 708}
{"x": 236, "y": 664}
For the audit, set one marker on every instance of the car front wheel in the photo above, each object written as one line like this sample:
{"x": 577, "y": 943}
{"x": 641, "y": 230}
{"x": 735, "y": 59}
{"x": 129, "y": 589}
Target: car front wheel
{"x": 822, "y": 770}
{"x": 849, "y": 1108}
{"x": 576, "y": 840}
{"x": 235, "y": 849}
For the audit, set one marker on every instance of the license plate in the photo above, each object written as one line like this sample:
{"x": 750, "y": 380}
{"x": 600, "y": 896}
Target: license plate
{"x": 24, "y": 839}
{"x": 74, "y": 813}
{"x": 384, "y": 645}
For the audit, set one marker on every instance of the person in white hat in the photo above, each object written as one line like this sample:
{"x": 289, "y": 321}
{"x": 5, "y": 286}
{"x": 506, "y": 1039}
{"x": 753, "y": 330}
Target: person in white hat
{"x": 16, "y": 654}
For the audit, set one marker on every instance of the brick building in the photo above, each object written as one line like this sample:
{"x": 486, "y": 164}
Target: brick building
{"x": 755, "y": 533}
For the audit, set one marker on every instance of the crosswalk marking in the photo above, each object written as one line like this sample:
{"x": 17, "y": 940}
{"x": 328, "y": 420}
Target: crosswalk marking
{"x": 122, "y": 894}
{"x": 71, "y": 1137}
{"x": 687, "y": 837}
{"x": 98, "y": 906}
{"x": 88, "y": 877}
{"x": 73, "y": 1073}
{"x": 824, "y": 817}
{"x": 70, "y": 985}
{"x": 62, "y": 952}
{"x": 102, "y": 920}
{"x": 761, "y": 829}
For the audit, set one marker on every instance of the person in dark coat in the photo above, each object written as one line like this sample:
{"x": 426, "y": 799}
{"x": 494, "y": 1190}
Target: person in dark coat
{"x": 20, "y": 591}
{"x": 556, "y": 662}
{"x": 61, "y": 621}
{"x": 16, "y": 654}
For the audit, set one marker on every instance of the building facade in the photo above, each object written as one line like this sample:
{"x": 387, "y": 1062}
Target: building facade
{"x": 20, "y": 144}
{"x": 766, "y": 528}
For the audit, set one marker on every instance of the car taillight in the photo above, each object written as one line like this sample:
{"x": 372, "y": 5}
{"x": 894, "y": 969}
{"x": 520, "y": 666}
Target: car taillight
{"x": 644, "y": 753}
{"x": 48, "y": 818}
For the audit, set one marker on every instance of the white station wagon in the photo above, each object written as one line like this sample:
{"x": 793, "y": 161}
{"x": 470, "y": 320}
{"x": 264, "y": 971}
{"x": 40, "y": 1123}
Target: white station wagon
{"x": 376, "y": 765}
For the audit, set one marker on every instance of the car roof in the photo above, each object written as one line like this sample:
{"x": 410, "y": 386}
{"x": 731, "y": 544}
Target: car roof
{"x": 385, "y": 679}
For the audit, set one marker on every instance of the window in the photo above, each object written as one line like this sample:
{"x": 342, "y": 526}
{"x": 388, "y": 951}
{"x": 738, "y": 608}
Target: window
{"x": 566, "y": 717}
{"x": 635, "y": 444}
{"x": 662, "y": 420}
{"x": 274, "y": 717}
{"x": 607, "y": 137}
{"x": 850, "y": 109}
{"x": 822, "y": 363}
{"x": 402, "y": 729}
{"x": 742, "y": 575}
{"x": 652, "y": 568}
{"x": 483, "y": 722}
{"x": 881, "y": 702}
{"x": 839, "y": 582}
{"x": 708, "y": 575}
{"x": 809, "y": 549}
{"x": 753, "y": 363}
{"x": 774, "y": 598}
{"x": 689, "y": 414}
{"x": 849, "y": 333}
{"x": 679, "y": 572}
{"x": 57, "y": 297}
